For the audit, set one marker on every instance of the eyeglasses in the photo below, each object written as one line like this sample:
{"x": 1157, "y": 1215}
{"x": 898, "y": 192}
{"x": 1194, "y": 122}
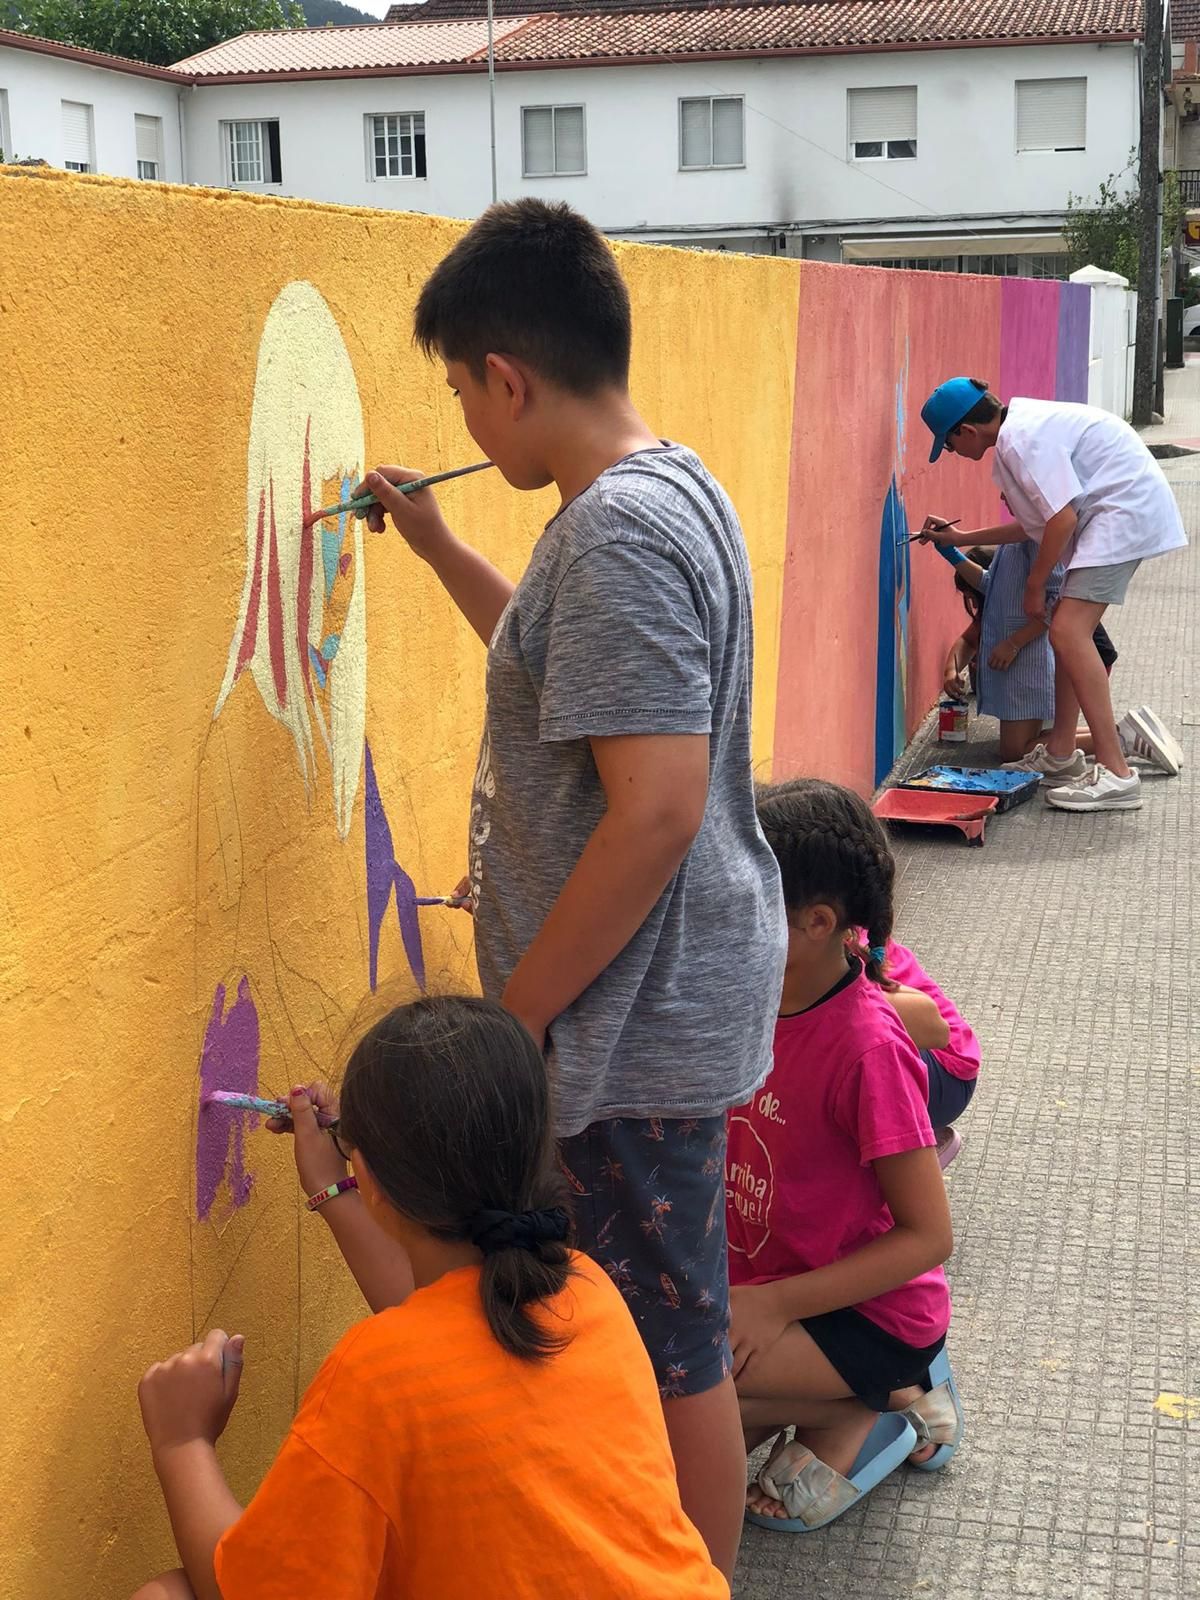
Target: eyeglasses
{"x": 338, "y": 1145}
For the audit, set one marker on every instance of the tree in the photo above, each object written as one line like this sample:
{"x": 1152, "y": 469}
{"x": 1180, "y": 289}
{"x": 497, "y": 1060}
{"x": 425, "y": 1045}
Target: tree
{"x": 158, "y": 31}
{"x": 1103, "y": 232}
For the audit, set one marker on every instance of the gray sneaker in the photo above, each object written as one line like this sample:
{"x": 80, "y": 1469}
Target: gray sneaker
{"x": 1100, "y": 790}
{"x": 1144, "y": 736}
{"x": 1051, "y": 769}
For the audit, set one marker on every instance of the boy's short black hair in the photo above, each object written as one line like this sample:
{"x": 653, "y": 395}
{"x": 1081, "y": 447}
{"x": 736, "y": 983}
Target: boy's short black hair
{"x": 985, "y": 410}
{"x": 537, "y": 281}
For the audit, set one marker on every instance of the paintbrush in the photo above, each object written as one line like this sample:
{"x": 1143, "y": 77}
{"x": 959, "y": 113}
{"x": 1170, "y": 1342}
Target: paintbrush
{"x": 941, "y": 528}
{"x": 265, "y": 1108}
{"x": 361, "y": 502}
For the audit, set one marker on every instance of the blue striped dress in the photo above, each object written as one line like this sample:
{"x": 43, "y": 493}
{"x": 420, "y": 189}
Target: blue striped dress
{"x": 1026, "y": 690}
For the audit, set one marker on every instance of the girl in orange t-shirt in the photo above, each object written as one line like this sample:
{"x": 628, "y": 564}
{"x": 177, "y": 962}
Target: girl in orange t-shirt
{"x": 499, "y": 1432}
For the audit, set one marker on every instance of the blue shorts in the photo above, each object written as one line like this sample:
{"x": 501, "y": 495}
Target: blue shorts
{"x": 649, "y": 1203}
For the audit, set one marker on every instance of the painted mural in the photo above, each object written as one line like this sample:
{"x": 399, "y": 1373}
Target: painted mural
{"x": 229, "y": 806}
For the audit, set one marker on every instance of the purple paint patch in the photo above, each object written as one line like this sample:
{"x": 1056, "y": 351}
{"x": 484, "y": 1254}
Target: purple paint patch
{"x": 384, "y": 873}
{"x": 1074, "y": 341}
{"x": 229, "y": 1060}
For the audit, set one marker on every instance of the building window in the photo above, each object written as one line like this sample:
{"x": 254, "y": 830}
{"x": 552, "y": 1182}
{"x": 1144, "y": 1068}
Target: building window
{"x": 147, "y": 133}
{"x": 1051, "y": 114}
{"x": 79, "y": 140}
{"x": 712, "y": 133}
{"x": 6, "y": 150}
{"x": 253, "y": 152}
{"x": 1054, "y": 265}
{"x": 915, "y": 263}
{"x": 396, "y": 145}
{"x": 882, "y": 124}
{"x": 553, "y": 142}
{"x": 993, "y": 266}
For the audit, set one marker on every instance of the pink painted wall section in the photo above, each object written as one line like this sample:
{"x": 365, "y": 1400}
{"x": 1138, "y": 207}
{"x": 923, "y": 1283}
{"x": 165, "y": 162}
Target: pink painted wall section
{"x": 871, "y": 345}
{"x": 1029, "y": 316}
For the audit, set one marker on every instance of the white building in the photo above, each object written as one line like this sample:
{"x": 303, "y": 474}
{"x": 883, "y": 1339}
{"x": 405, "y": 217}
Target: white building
{"x": 88, "y": 112}
{"x": 842, "y": 133}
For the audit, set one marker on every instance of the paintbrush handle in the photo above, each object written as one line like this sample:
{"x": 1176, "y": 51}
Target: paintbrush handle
{"x": 265, "y": 1108}
{"x": 362, "y": 502}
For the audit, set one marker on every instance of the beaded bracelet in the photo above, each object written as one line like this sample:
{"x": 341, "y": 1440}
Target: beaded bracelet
{"x": 334, "y": 1189}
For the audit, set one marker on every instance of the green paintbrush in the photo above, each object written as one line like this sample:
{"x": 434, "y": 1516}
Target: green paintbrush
{"x": 361, "y": 502}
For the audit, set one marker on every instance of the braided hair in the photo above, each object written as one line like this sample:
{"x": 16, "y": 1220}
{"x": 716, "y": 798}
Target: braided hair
{"x": 831, "y": 850}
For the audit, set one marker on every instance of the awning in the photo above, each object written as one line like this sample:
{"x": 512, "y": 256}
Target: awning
{"x": 922, "y": 248}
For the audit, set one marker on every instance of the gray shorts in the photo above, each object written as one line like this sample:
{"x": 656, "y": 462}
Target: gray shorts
{"x": 1104, "y": 586}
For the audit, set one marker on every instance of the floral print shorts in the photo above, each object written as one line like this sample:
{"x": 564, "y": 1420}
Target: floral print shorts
{"x": 649, "y": 1203}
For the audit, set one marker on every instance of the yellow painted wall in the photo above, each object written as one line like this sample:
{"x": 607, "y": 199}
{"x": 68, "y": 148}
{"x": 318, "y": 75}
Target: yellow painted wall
{"x": 149, "y": 853}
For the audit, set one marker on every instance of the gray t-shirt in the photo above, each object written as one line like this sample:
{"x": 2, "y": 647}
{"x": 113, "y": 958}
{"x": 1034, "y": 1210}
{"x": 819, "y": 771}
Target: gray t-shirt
{"x": 633, "y": 617}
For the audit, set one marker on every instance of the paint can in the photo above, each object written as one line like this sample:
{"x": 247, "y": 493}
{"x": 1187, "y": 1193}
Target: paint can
{"x": 952, "y": 721}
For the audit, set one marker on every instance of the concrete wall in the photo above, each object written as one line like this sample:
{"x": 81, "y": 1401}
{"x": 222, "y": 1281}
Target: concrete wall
{"x": 217, "y": 820}
{"x": 33, "y": 86}
{"x": 795, "y": 127}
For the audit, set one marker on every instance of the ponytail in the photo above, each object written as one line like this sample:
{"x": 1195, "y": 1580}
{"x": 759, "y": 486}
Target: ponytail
{"x": 448, "y": 1102}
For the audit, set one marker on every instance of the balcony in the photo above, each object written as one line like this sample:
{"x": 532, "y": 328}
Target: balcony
{"x": 1189, "y": 185}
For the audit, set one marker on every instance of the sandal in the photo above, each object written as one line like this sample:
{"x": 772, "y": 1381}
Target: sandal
{"x": 814, "y": 1494}
{"x": 937, "y": 1417}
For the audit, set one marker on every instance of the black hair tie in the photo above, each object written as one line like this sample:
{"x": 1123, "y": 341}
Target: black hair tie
{"x": 490, "y": 1231}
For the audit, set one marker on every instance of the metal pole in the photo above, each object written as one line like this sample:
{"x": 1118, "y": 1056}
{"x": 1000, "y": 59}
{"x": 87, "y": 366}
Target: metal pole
{"x": 491, "y": 21}
{"x": 1145, "y": 361}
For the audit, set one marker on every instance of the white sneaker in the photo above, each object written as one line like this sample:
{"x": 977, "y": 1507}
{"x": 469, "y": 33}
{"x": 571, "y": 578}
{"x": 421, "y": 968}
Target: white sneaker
{"x": 1051, "y": 769}
{"x": 1143, "y": 735}
{"x": 1100, "y": 790}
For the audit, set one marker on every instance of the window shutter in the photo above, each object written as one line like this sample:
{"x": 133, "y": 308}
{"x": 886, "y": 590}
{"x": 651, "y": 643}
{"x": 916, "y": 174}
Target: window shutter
{"x": 147, "y": 133}
{"x": 876, "y": 115}
{"x": 569, "y": 152}
{"x": 1051, "y": 113}
{"x": 77, "y": 132}
{"x": 727, "y": 134}
{"x": 696, "y": 133}
{"x": 538, "y": 141}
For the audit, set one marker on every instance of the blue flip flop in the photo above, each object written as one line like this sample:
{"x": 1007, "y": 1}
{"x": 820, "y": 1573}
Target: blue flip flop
{"x": 818, "y": 1494}
{"x": 937, "y": 1418}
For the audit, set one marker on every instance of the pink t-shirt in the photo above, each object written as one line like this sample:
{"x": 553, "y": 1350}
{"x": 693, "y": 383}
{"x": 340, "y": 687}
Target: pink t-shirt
{"x": 961, "y": 1056}
{"x": 847, "y": 1087}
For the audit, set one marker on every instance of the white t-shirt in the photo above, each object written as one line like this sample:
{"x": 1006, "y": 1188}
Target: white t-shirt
{"x": 1051, "y": 454}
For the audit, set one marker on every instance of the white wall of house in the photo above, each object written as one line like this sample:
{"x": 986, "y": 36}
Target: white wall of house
{"x": 33, "y": 88}
{"x": 797, "y": 161}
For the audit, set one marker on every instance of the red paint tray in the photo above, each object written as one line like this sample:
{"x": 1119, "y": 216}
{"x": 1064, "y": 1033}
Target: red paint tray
{"x": 967, "y": 813}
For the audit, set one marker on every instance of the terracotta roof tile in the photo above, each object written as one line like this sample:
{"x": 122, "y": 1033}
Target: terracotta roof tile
{"x": 365, "y": 46}
{"x": 586, "y": 33}
{"x": 937, "y": 18}
{"x": 842, "y": 24}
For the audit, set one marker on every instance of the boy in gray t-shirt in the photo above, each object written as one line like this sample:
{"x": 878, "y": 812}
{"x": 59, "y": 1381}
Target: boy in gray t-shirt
{"x": 627, "y": 906}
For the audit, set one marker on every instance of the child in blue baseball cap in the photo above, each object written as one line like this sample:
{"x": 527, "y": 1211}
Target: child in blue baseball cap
{"x": 1084, "y": 489}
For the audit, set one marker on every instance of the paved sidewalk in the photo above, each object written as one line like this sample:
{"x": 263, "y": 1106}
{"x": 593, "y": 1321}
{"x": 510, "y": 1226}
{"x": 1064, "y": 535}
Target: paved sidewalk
{"x": 1181, "y": 396}
{"x": 1070, "y": 943}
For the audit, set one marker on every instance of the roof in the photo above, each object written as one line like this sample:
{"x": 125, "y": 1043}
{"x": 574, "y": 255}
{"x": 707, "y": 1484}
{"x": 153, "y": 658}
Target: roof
{"x": 1185, "y": 17}
{"x": 647, "y": 30}
{"x": 88, "y": 58}
{"x": 973, "y": 18}
{"x": 359, "y": 47}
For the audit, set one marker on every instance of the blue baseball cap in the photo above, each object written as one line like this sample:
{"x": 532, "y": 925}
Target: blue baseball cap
{"x": 946, "y": 407}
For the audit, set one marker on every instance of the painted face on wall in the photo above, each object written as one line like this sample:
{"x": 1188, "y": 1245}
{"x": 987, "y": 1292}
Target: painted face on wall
{"x": 301, "y": 628}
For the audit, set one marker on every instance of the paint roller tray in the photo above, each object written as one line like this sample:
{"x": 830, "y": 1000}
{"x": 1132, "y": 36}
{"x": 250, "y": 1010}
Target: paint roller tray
{"x": 967, "y": 813}
{"x": 1010, "y": 788}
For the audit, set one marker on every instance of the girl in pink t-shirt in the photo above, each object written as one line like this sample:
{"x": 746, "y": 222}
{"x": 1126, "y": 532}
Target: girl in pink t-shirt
{"x": 836, "y": 1209}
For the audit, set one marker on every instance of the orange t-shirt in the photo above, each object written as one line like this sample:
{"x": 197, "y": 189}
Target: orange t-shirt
{"x": 425, "y": 1463}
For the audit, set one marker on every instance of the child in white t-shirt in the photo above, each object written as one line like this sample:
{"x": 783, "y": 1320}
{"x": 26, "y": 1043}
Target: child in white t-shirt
{"x": 1082, "y": 486}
